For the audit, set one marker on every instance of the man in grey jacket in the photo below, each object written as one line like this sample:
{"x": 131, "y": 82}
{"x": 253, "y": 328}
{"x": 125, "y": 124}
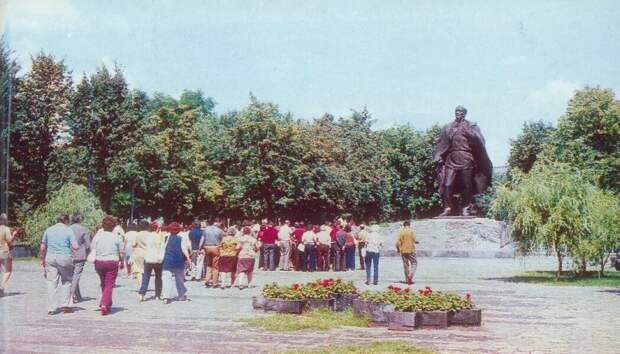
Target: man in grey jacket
{"x": 82, "y": 237}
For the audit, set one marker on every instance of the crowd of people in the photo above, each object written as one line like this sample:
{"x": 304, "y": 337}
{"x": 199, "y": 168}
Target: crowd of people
{"x": 219, "y": 256}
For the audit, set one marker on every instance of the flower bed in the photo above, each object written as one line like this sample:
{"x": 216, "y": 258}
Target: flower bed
{"x": 343, "y": 292}
{"x": 426, "y": 308}
{"x": 322, "y": 293}
{"x": 400, "y": 308}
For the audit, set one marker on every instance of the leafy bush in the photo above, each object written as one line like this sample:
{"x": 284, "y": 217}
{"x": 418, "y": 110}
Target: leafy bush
{"x": 424, "y": 300}
{"x": 69, "y": 199}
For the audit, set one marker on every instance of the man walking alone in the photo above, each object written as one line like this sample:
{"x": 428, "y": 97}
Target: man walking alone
{"x": 405, "y": 245}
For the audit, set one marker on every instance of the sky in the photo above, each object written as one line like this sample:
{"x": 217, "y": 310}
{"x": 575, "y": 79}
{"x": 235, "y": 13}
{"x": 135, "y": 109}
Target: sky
{"x": 408, "y": 62}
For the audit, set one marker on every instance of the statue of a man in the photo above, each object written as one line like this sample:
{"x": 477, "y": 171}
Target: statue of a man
{"x": 465, "y": 166}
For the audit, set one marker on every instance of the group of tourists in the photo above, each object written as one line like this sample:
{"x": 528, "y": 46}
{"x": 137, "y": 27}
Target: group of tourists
{"x": 221, "y": 257}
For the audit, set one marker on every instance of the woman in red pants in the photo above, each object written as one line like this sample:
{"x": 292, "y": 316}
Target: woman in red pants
{"x": 109, "y": 256}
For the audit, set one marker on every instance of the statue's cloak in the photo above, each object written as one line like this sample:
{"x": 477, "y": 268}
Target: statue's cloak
{"x": 483, "y": 169}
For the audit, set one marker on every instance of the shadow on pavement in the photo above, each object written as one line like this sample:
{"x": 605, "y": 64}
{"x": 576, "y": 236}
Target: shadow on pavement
{"x": 614, "y": 291}
{"x": 11, "y": 294}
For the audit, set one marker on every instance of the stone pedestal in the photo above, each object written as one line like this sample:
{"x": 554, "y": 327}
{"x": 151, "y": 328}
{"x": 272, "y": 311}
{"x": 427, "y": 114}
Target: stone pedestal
{"x": 455, "y": 236}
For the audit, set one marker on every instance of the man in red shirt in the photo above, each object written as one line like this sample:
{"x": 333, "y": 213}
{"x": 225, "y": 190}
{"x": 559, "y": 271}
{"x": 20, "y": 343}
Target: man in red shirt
{"x": 268, "y": 238}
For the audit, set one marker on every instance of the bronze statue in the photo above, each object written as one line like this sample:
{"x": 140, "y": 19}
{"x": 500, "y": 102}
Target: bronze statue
{"x": 465, "y": 168}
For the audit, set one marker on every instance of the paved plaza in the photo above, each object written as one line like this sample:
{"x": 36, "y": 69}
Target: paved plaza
{"x": 517, "y": 317}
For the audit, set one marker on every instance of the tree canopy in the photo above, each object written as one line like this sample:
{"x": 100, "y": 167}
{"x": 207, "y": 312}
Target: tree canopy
{"x": 155, "y": 155}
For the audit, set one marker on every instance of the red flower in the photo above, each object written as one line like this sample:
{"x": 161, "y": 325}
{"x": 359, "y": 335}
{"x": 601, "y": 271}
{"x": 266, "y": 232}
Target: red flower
{"x": 296, "y": 286}
{"x": 406, "y": 291}
{"x": 468, "y": 296}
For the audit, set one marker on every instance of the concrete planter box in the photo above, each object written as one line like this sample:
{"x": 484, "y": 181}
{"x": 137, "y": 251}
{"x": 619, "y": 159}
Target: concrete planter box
{"x": 284, "y": 306}
{"x": 360, "y": 307}
{"x": 344, "y": 301}
{"x": 401, "y": 321}
{"x": 465, "y": 318}
{"x": 258, "y": 302}
{"x": 314, "y": 304}
{"x": 436, "y": 319}
{"x": 377, "y": 312}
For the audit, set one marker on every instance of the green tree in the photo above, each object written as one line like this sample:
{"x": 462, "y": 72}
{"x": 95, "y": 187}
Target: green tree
{"x": 588, "y": 136}
{"x": 529, "y": 143}
{"x": 261, "y": 153}
{"x": 169, "y": 166}
{"x": 69, "y": 199}
{"x": 409, "y": 154}
{"x": 42, "y": 105}
{"x": 554, "y": 207}
{"x": 8, "y": 71}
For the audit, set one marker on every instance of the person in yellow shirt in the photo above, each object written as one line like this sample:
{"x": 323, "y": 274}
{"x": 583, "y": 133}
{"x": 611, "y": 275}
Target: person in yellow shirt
{"x": 405, "y": 245}
{"x": 227, "y": 265}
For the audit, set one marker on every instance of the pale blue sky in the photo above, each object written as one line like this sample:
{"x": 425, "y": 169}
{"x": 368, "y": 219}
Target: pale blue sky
{"x": 407, "y": 61}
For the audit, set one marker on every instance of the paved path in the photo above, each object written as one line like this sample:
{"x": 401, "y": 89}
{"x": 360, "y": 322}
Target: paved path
{"x": 517, "y": 318}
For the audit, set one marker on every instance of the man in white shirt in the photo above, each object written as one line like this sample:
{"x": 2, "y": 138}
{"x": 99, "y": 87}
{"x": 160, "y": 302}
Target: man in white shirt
{"x": 323, "y": 244}
{"x": 309, "y": 240}
{"x": 284, "y": 242}
{"x": 374, "y": 243}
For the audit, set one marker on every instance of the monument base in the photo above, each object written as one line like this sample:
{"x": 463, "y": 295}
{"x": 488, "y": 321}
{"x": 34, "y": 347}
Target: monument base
{"x": 455, "y": 236}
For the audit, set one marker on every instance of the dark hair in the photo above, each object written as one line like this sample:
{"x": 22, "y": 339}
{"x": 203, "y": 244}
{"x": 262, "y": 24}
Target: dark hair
{"x": 406, "y": 223}
{"x": 76, "y": 218}
{"x": 347, "y": 228}
{"x": 174, "y": 228}
{"x": 143, "y": 225}
{"x": 4, "y": 220}
{"x": 217, "y": 220}
{"x": 63, "y": 218}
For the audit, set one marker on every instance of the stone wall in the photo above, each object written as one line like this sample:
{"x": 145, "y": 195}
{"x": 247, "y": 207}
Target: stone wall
{"x": 477, "y": 238}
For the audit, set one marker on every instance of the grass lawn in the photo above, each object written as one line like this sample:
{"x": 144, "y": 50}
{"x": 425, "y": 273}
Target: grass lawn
{"x": 383, "y": 347}
{"x": 611, "y": 278}
{"x": 314, "y": 320}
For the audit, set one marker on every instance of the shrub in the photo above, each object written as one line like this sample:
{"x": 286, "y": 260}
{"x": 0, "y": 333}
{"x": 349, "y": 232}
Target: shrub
{"x": 69, "y": 199}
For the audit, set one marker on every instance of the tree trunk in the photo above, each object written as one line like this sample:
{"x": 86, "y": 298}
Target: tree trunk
{"x": 133, "y": 202}
{"x": 559, "y": 255}
{"x": 583, "y": 267}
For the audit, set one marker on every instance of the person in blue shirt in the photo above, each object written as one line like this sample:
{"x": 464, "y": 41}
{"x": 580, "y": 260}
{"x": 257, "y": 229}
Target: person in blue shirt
{"x": 197, "y": 240}
{"x": 57, "y": 262}
{"x": 175, "y": 255}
